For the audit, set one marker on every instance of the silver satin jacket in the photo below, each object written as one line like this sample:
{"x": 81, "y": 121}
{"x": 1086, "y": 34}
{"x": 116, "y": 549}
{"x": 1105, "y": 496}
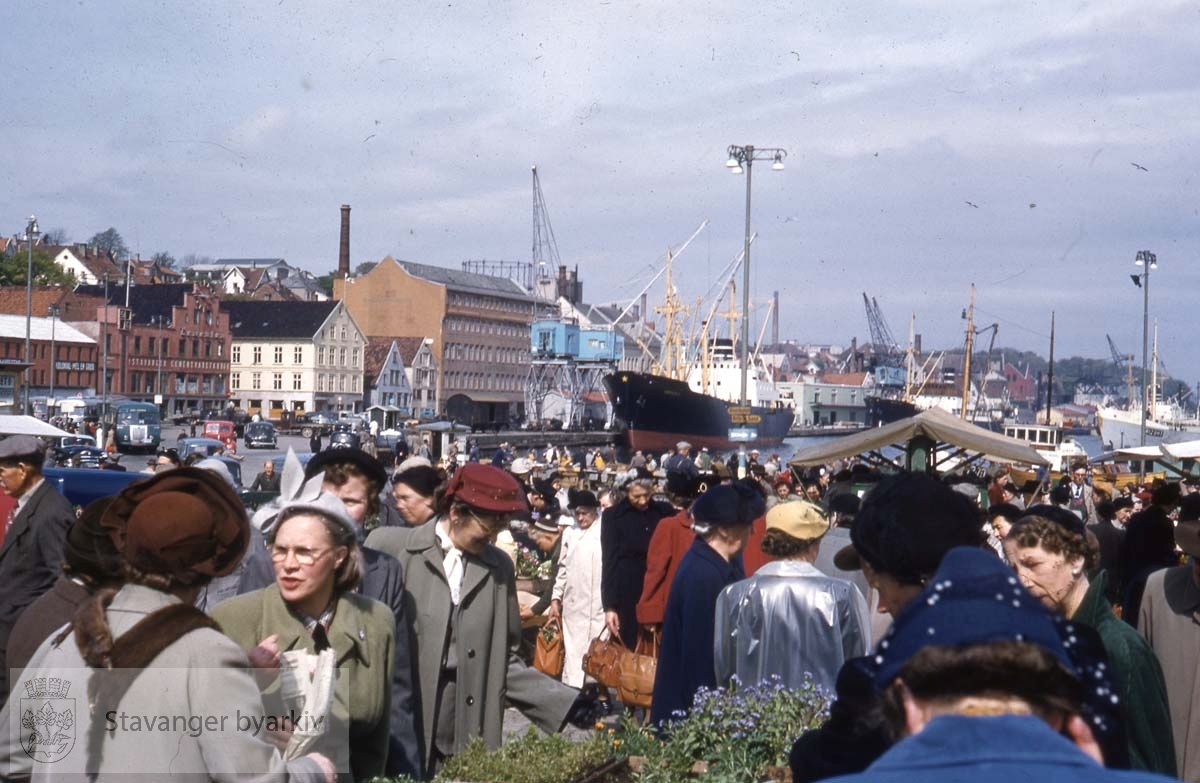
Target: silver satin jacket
{"x": 791, "y": 620}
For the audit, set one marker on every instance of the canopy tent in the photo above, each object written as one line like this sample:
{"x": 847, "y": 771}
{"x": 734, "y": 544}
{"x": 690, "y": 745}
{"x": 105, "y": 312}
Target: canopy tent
{"x": 1189, "y": 449}
{"x": 28, "y": 425}
{"x": 930, "y": 440}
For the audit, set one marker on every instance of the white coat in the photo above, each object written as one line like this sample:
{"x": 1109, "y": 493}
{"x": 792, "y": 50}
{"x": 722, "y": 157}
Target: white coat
{"x": 578, "y": 587}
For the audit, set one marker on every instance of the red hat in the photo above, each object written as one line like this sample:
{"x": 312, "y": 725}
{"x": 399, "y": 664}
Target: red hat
{"x": 486, "y": 488}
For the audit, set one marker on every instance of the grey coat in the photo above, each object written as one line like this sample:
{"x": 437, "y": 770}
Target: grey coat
{"x": 489, "y": 635}
{"x": 201, "y": 675}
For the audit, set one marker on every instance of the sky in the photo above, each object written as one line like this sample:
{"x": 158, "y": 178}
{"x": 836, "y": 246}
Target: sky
{"x": 1028, "y": 148}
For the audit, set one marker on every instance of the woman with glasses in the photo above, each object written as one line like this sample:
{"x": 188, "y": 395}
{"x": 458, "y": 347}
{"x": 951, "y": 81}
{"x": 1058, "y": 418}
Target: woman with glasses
{"x": 311, "y": 607}
{"x": 575, "y": 601}
{"x": 464, "y": 620}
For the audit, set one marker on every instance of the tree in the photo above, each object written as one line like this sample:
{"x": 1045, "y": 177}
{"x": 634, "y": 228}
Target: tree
{"x": 55, "y": 236}
{"x": 110, "y": 241}
{"x": 364, "y": 267}
{"x": 163, "y": 258}
{"x": 45, "y": 272}
{"x": 191, "y": 259}
{"x": 325, "y": 282}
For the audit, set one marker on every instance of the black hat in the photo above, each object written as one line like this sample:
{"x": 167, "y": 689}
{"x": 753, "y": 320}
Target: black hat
{"x": 368, "y": 465}
{"x": 1060, "y": 516}
{"x": 739, "y": 503}
{"x": 89, "y": 550}
{"x": 581, "y": 498}
{"x": 907, "y": 522}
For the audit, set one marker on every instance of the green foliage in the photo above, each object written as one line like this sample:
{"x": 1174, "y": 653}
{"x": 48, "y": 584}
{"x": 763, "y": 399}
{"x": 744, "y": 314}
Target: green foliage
{"x": 531, "y": 758}
{"x": 13, "y": 270}
{"x": 110, "y": 241}
{"x": 165, "y": 259}
{"x": 364, "y": 267}
{"x": 737, "y": 733}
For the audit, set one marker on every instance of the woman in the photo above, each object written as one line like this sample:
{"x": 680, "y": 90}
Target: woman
{"x": 722, "y": 518}
{"x": 624, "y": 541}
{"x": 1052, "y": 556}
{"x": 464, "y": 618}
{"x": 575, "y": 601}
{"x": 312, "y": 607}
{"x": 415, "y": 493}
{"x": 188, "y": 671}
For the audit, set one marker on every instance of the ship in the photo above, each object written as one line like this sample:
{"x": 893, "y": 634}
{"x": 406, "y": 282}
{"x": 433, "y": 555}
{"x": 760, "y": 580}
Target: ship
{"x": 1121, "y": 428}
{"x": 699, "y": 391}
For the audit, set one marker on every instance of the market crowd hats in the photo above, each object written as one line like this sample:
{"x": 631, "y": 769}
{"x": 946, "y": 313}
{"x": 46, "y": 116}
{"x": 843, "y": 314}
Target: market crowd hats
{"x": 188, "y": 523}
{"x": 582, "y": 498}
{"x": 486, "y": 488}
{"x": 799, "y": 519}
{"x": 422, "y": 478}
{"x": 366, "y": 464}
{"x": 906, "y": 523}
{"x": 17, "y": 448}
{"x": 88, "y": 550}
{"x": 739, "y": 503}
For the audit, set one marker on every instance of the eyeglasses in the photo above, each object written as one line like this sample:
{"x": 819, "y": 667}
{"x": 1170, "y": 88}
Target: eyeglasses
{"x": 493, "y": 523}
{"x": 304, "y": 556}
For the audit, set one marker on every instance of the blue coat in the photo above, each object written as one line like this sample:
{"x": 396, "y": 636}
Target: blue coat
{"x": 989, "y": 750}
{"x": 685, "y": 659}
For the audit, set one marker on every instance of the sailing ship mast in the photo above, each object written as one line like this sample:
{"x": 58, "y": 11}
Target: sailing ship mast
{"x": 671, "y": 362}
{"x": 969, "y": 314}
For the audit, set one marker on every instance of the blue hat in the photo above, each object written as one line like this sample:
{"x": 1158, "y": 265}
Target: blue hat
{"x": 739, "y": 503}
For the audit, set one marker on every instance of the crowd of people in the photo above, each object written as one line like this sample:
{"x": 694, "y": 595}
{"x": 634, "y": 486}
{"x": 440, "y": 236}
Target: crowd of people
{"x": 955, "y": 627}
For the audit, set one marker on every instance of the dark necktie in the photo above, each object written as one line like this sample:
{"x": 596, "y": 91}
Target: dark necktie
{"x": 320, "y": 638}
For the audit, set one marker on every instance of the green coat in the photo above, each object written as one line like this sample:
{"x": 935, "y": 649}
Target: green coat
{"x": 1140, "y": 679}
{"x": 490, "y": 673}
{"x": 362, "y": 636}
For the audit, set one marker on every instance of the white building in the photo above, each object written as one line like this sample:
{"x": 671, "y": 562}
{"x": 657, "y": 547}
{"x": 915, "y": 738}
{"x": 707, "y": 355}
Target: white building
{"x": 295, "y": 356}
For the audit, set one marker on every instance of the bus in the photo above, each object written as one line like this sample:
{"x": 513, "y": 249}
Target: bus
{"x": 138, "y": 426}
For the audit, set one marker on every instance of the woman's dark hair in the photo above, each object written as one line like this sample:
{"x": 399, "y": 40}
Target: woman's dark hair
{"x": 1002, "y": 668}
{"x": 1034, "y": 531}
{"x": 345, "y": 576}
{"x": 423, "y": 479}
{"x": 781, "y": 546}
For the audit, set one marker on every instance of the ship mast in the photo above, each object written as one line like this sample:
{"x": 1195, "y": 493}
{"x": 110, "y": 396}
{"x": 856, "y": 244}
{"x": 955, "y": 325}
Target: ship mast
{"x": 671, "y": 363}
{"x": 1153, "y": 403}
{"x": 969, "y": 314}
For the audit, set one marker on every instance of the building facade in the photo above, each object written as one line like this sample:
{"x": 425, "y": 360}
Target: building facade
{"x": 62, "y": 363}
{"x": 478, "y": 325}
{"x": 297, "y": 357}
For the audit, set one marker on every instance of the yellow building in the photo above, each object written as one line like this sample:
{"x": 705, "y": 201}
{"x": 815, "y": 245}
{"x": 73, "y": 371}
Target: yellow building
{"x": 479, "y": 325}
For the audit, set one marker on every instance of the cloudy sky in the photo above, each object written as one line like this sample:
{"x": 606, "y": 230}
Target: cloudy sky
{"x": 1030, "y": 148}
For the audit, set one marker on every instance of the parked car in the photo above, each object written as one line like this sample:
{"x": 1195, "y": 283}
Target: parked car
{"x": 205, "y": 446}
{"x": 79, "y": 457}
{"x": 344, "y": 437}
{"x": 223, "y": 431}
{"x": 260, "y": 434}
{"x": 59, "y": 446}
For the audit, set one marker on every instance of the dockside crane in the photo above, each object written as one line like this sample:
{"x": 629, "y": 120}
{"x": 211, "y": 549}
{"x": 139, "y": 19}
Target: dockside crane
{"x": 881, "y": 336}
{"x": 1124, "y": 363}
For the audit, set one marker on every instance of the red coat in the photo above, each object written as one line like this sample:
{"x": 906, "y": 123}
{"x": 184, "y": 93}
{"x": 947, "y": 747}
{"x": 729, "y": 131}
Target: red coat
{"x": 753, "y": 558}
{"x": 670, "y": 541}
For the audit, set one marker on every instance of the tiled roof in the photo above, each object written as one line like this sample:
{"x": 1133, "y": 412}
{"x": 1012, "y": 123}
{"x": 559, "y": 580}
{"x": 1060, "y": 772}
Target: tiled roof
{"x": 277, "y": 320}
{"x": 465, "y": 281}
{"x": 377, "y": 352}
{"x": 245, "y": 262}
{"x": 272, "y": 291}
{"x": 844, "y": 378}
{"x": 408, "y": 348}
{"x": 41, "y": 329}
{"x": 12, "y": 299}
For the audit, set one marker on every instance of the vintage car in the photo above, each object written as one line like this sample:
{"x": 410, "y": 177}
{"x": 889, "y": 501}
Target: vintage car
{"x": 260, "y": 434}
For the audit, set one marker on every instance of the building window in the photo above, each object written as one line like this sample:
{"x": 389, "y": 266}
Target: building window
{"x": 343, "y": 332}
{"x": 354, "y": 361}
{"x": 137, "y": 346}
{"x": 298, "y": 355}
{"x": 321, "y": 356}
{"x": 277, "y": 381}
{"x": 235, "y": 380}
{"x": 279, "y": 354}
{"x": 236, "y": 357}
{"x": 257, "y": 355}
{"x": 342, "y": 357}
{"x": 256, "y": 380}
{"x": 296, "y": 381}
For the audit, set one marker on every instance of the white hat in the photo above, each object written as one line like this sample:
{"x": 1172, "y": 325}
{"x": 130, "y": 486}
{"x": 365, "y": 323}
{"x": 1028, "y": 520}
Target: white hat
{"x": 683, "y": 444}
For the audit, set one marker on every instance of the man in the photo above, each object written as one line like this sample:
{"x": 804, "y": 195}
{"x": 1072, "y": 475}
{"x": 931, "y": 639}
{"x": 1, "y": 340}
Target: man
{"x": 790, "y": 620}
{"x": 1082, "y": 501}
{"x": 1169, "y": 618}
{"x": 681, "y": 471}
{"x": 1110, "y": 535}
{"x": 1149, "y": 545}
{"x": 267, "y": 480}
{"x": 465, "y": 620}
{"x": 704, "y": 460}
{"x": 906, "y": 524}
{"x": 981, "y": 683}
{"x": 34, "y": 532}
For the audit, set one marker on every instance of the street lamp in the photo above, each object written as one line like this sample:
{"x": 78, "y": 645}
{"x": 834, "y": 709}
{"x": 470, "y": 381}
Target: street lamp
{"x": 31, "y": 234}
{"x": 742, "y": 159}
{"x": 1147, "y": 261}
{"x": 161, "y": 321}
{"x": 53, "y": 313}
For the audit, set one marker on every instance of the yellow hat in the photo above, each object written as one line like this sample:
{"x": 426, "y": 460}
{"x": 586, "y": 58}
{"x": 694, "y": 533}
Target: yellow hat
{"x": 799, "y": 519}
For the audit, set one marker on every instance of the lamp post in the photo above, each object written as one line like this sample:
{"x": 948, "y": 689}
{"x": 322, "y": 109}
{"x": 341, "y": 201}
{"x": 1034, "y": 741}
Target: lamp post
{"x": 161, "y": 321}
{"x": 31, "y": 234}
{"x": 1147, "y": 261}
{"x": 742, "y": 159}
{"x": 53, "y": 313}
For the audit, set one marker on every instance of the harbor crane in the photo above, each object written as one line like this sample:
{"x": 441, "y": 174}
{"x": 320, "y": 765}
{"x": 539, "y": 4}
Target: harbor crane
{"x": 881, "y": 336}
{"x": 1124, "y": 364}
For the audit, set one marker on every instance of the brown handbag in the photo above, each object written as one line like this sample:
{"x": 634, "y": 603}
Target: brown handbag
{"x": 549, "y": 653}
{"x": 602, "y": 658}
{"x": 636, "y": 670}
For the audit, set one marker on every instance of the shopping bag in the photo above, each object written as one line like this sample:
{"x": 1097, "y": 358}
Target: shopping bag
{"x": 601, "y": 659}
{"x": 549, "y": 653}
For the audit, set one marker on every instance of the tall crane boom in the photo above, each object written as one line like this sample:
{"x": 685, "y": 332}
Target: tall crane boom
{"x": 881, "y": 335}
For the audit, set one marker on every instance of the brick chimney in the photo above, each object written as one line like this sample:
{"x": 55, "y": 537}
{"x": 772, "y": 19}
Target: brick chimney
{"x": 343, "y": 270}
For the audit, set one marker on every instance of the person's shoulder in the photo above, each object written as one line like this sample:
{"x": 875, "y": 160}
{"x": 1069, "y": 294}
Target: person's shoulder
{"x": 240, "y": 608}
{"x": 393, "y": 540}
{"x": 371, "y": 610}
